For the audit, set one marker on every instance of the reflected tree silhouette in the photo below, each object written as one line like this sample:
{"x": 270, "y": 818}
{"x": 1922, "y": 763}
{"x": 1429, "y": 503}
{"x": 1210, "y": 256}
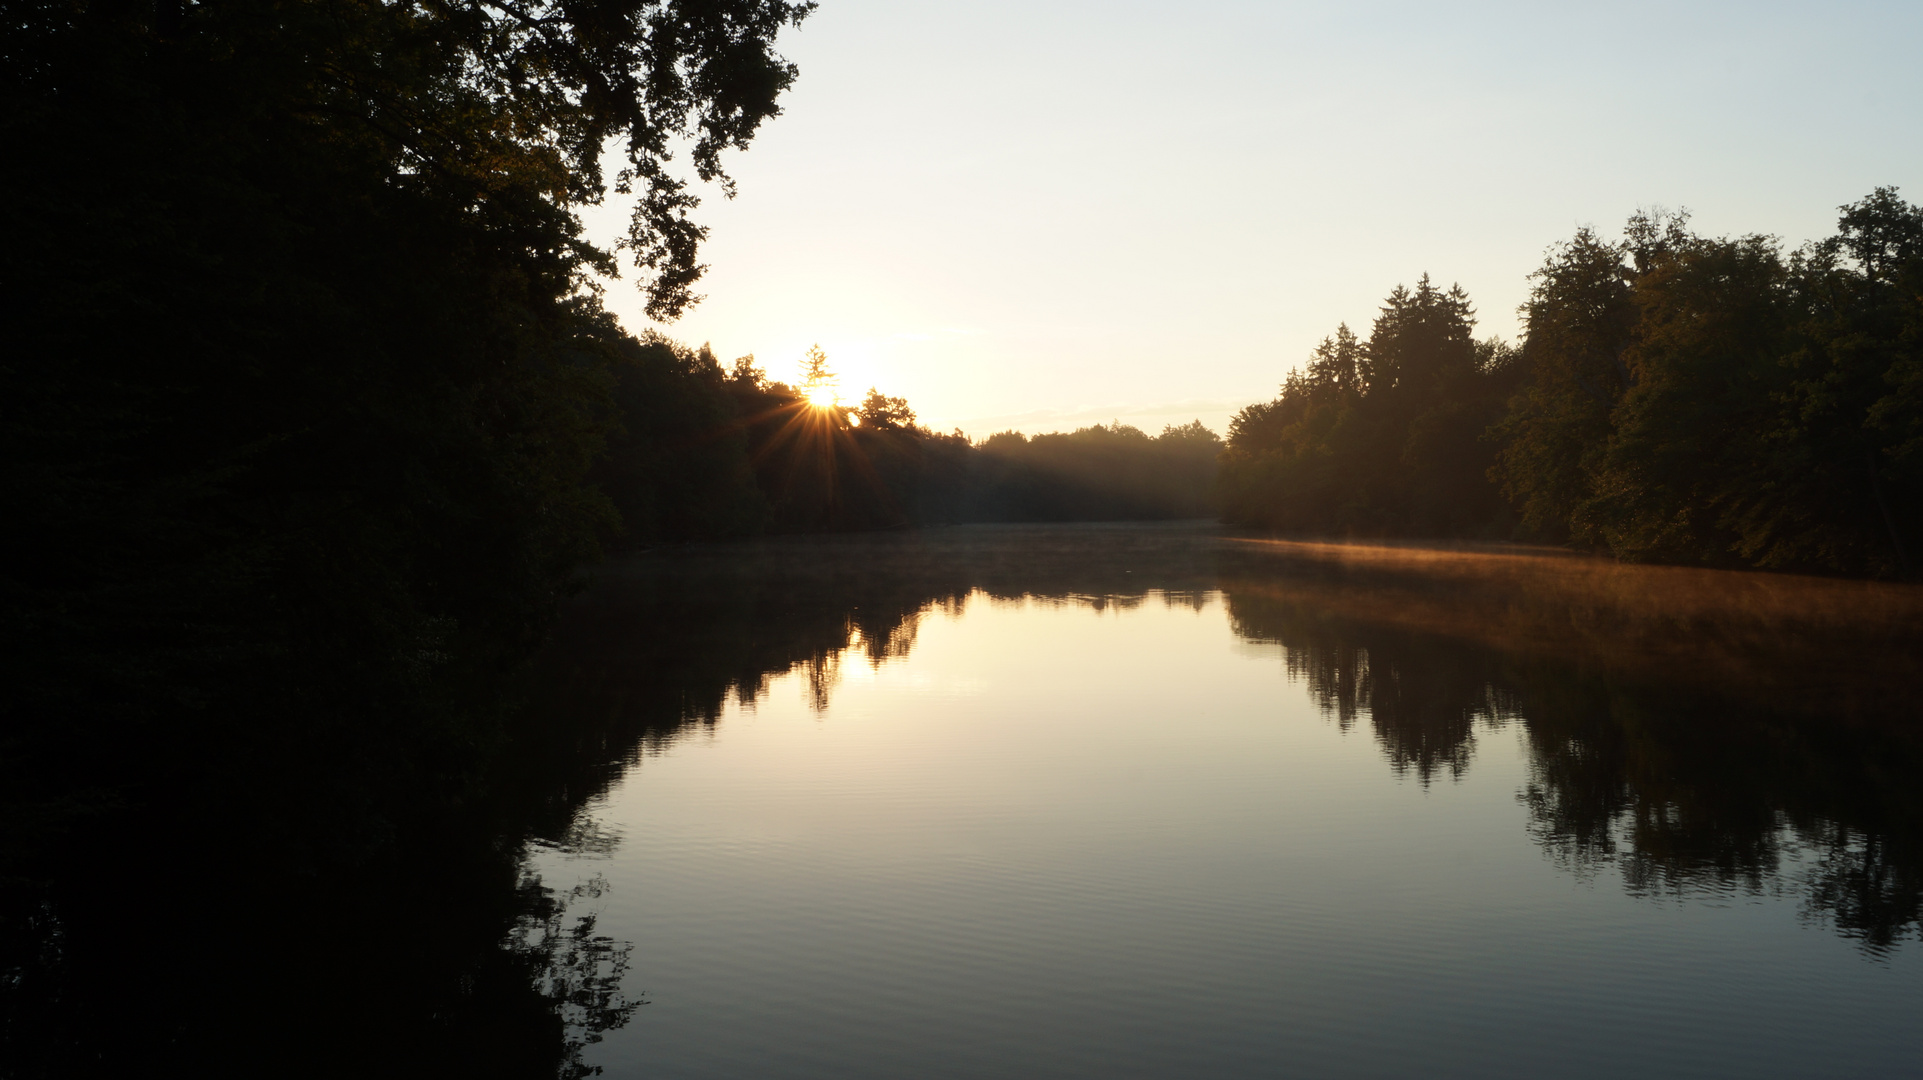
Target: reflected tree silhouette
{"x": 576, "y": 969}
{"x": 1698, "y": 734}
{"x": 1424, "y": 700}
{"x": 1692, "y": 735}
{"x": 1685, "y": 800}
{"x": 1864, "y": 885}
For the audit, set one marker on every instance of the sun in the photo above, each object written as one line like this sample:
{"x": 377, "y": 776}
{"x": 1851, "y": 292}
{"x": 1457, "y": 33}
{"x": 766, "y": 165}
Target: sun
{"x": 821, "y": 396}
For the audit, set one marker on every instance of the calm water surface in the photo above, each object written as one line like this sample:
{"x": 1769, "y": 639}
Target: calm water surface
{"x": 1155, "y": 801}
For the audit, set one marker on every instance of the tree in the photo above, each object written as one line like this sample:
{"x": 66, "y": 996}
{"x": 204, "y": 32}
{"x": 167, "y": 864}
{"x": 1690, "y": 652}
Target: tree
{"x": 1714, "y": 401}
{"x": 1858, "y": 384}
{"x": 1421, "y": 343}
{"x": 1578, "y": 325}
{"x": 819, "y": 383}
{"x": 1379, "y": 436}
{"x": 677, "y": 464}
{"x": 881, "y": 412}
{"x": 298, "y": 415}
{"x": 305, "y": 374}
{"x": 1691, "y": 437}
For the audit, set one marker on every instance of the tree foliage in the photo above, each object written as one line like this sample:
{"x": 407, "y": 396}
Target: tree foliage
{"x": 1378, "y": 437}
{"x": 1676, "y": 398}
{"x": 1719, "y": 401}
{"x": 307, "y": 367}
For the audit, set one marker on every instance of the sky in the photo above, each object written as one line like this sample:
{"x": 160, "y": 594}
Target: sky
{"x": 1046, "y": 214}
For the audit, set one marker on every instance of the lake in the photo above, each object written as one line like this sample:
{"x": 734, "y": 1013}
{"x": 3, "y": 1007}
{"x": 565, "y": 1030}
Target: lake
{"x": 1161, "y": 801}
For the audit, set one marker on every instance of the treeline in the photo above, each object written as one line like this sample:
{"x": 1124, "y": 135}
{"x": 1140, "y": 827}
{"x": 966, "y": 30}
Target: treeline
{"x": 702, "y": 451}
{"x": 1675, "y": 398}
{"x": 1379, "y": 437}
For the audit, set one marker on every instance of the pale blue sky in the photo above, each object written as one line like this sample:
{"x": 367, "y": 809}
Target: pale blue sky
{"x": 1040, "y": 215}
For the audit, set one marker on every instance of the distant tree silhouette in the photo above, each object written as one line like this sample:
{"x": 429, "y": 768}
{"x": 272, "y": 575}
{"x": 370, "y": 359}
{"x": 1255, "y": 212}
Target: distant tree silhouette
{"x": 674, "y": 470}
{"x": 883, "y": 413}
{"x": 1102, "y": 472}
{"x": 815, "y": 371}
{"x": 1378, "y": 437}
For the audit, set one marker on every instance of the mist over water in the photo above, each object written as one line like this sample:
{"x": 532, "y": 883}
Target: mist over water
{"x": 1158, "y": 800}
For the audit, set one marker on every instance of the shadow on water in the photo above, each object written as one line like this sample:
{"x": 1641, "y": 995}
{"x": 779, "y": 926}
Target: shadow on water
{"x": 160, "y": 954}
{"x": 1691, "y": 732}
{"x": 187, "y": 961}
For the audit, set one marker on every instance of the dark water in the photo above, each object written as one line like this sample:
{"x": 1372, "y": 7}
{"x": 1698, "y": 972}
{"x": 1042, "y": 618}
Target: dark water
{"x": 1155, "y": 801}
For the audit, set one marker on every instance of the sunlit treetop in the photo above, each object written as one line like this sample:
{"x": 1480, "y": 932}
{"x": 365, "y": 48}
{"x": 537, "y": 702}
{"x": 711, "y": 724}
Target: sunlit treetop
{"x": 820, "y": 386}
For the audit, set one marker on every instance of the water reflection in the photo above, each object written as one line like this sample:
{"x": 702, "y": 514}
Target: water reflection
{"x": 1691, "y": 733}
{"x": 1424, "y": 696}
{"x": 1685, "y": 734}
{"x": 1698, "y": 731}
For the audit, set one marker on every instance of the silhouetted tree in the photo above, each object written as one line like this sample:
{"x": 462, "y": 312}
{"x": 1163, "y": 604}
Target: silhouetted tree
{"x": 1714, "y": 401}
{"x": 1378, "y": 437}
{"x": 883, "y": 413}
{"x": 1579, "y": 323}
{"x": 677, "y": 461}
